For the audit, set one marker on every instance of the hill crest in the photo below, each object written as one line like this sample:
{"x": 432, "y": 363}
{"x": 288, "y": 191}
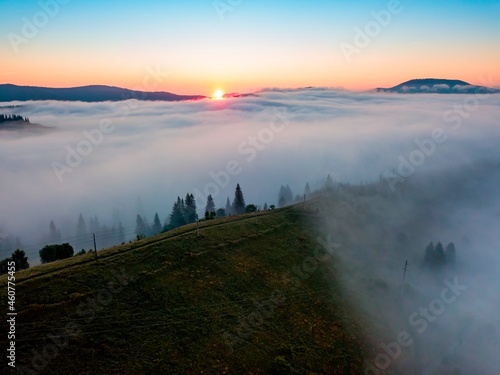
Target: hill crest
{"x": 91, "y": 93}
{"x": 437, "y": 86}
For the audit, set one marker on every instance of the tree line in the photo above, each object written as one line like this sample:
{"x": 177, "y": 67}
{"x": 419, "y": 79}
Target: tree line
{"x": 20, "y": 259}
{"x": 183, "y": 212}
{"x": 5, "y": 118}
{"x": 438, "y": 256}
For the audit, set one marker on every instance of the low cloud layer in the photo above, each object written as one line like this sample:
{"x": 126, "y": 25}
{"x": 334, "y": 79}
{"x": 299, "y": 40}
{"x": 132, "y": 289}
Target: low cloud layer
{"x": 116, "y": 160}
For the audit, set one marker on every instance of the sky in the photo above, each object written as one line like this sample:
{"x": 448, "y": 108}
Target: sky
{"x": 203, "y": 45}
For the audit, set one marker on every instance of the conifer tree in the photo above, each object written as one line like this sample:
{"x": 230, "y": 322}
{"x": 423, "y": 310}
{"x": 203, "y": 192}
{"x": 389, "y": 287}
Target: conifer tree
{"x": 156, "y": 228}
{"x": 210, "y": 207}
{"x": 81, "y": 228}
{"x": 21, "y": 260}
{"x": 121, "y": 233}
{"x": 177, "y": 215}
{"x": 450, "y": 253}
{"x": 429, "y": 253}
{"x": 329, "y": 183}
{"x": 141, "y": 229}
{"x": 55, "y": 235}
{"x": 190, "y": 208}
{"x": 239, "y": 201}
{"x": 307, "y": 191}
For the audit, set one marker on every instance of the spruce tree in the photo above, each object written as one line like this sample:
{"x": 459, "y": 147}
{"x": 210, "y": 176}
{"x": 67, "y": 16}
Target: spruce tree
{"x": 156, "y": 228}
{"x": 81, "y": 228}
{"x": 285, "y": 196}
{"x": 55, "y": 235}
{"x": 429, "y": 254}
{"x": 21, "y": 260}
{"x": 450, "y": 254}
{"x": 329, "y": 183}
{"x": 177, "y": 215}
{"x": 190, "y": 208}
{"x": 307, "y": 191}
{"x": 239, "y": 201}
{"x": 440, "y": 257}
{"x": 121, "y": 233}
{"x": 141, "y": 229}
{"x": 210, "y": 207}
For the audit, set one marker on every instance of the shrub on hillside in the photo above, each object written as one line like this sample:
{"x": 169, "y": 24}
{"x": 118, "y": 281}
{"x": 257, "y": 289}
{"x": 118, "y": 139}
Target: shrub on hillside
{"x": 51, "y": 253}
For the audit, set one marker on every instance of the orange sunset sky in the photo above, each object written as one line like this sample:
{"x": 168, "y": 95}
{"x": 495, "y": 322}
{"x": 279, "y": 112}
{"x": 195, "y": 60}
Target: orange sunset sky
{"x": 196, "y": 47}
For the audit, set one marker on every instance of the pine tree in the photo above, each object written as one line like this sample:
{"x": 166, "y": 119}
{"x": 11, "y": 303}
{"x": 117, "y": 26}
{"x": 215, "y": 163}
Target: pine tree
{"x": 282, "y": 202}
{"x": 156, "y": 228}
{"x": 329, "y": 183}
{"x": 285, "y": 196}
{"x": 177, "y": 215}
{"x": 81, "y": 228}
{"x": 307, "y": 191}
{"x": 239, "y": 201}
{"x": 140, "y": 226}
{"x": 450, "y": 253}
{"x": 21, "y": 260}
{"x": 190, "y": 209}
{"x": 440, "y": 257}
{"x": 55, "y": 235}
{"x": 265, "y": 207}
{"x": 229, "y": 210}
{"x": 429, "y": 254}
{"x": 440, "y": 253}
{"x": 210, "y": 207}
{"x": 121, "y": 233}
{"x": 94, "y": 226}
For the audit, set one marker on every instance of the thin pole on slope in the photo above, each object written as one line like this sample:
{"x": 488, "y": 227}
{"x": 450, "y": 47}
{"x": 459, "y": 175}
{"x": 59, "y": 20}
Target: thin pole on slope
{"x": 197, "y": 225}
{"x": 95, "y": 247}
{"x": 404, "y": 279}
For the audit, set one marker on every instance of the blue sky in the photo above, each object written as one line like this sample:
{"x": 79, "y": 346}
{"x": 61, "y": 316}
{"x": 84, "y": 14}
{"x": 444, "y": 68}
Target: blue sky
{"x": 255, "y": 44}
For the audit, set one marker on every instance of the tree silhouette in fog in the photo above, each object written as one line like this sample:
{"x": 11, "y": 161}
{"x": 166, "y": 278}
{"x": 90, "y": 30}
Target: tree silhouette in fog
{"x": 239, "y": 201}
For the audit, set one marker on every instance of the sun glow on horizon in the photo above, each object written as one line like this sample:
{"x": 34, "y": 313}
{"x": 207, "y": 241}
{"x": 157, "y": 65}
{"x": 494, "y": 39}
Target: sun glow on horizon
{"x": 218, "y": 95}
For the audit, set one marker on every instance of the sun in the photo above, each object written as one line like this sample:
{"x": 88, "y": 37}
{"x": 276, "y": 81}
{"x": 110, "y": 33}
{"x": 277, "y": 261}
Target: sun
{"x": 218, "y": 95}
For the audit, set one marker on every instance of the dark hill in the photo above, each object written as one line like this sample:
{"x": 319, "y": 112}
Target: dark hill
{"x": 438, "y": 86}
{"x": 10, "y": 92}
{"x": 225, "y": 302}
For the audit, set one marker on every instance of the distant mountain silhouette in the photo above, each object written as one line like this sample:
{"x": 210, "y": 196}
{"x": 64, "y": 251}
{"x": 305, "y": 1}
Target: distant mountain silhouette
{"x": 10, "y": 92}
{"x": 438, "y": 86}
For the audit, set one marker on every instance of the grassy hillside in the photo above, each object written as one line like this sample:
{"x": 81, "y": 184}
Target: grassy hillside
{"x": 245, "y": 296}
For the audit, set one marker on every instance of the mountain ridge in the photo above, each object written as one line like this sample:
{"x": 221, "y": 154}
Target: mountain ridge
{"x": 90, "y": 93}
{"x": 437, "y": 86}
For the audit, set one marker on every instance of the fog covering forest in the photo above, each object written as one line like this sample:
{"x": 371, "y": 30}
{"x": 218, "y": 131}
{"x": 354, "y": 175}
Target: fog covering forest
{"x": 421, "y": 168}
{"x": 445, "y": 320}
{"x": 143, "y": 155}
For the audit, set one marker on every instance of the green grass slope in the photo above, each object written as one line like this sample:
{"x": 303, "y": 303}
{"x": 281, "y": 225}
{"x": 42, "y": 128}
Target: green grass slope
{"x": 244, "y": 296}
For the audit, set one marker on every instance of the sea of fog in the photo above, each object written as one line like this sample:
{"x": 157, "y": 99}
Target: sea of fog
{"x": 117, "y": 160}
